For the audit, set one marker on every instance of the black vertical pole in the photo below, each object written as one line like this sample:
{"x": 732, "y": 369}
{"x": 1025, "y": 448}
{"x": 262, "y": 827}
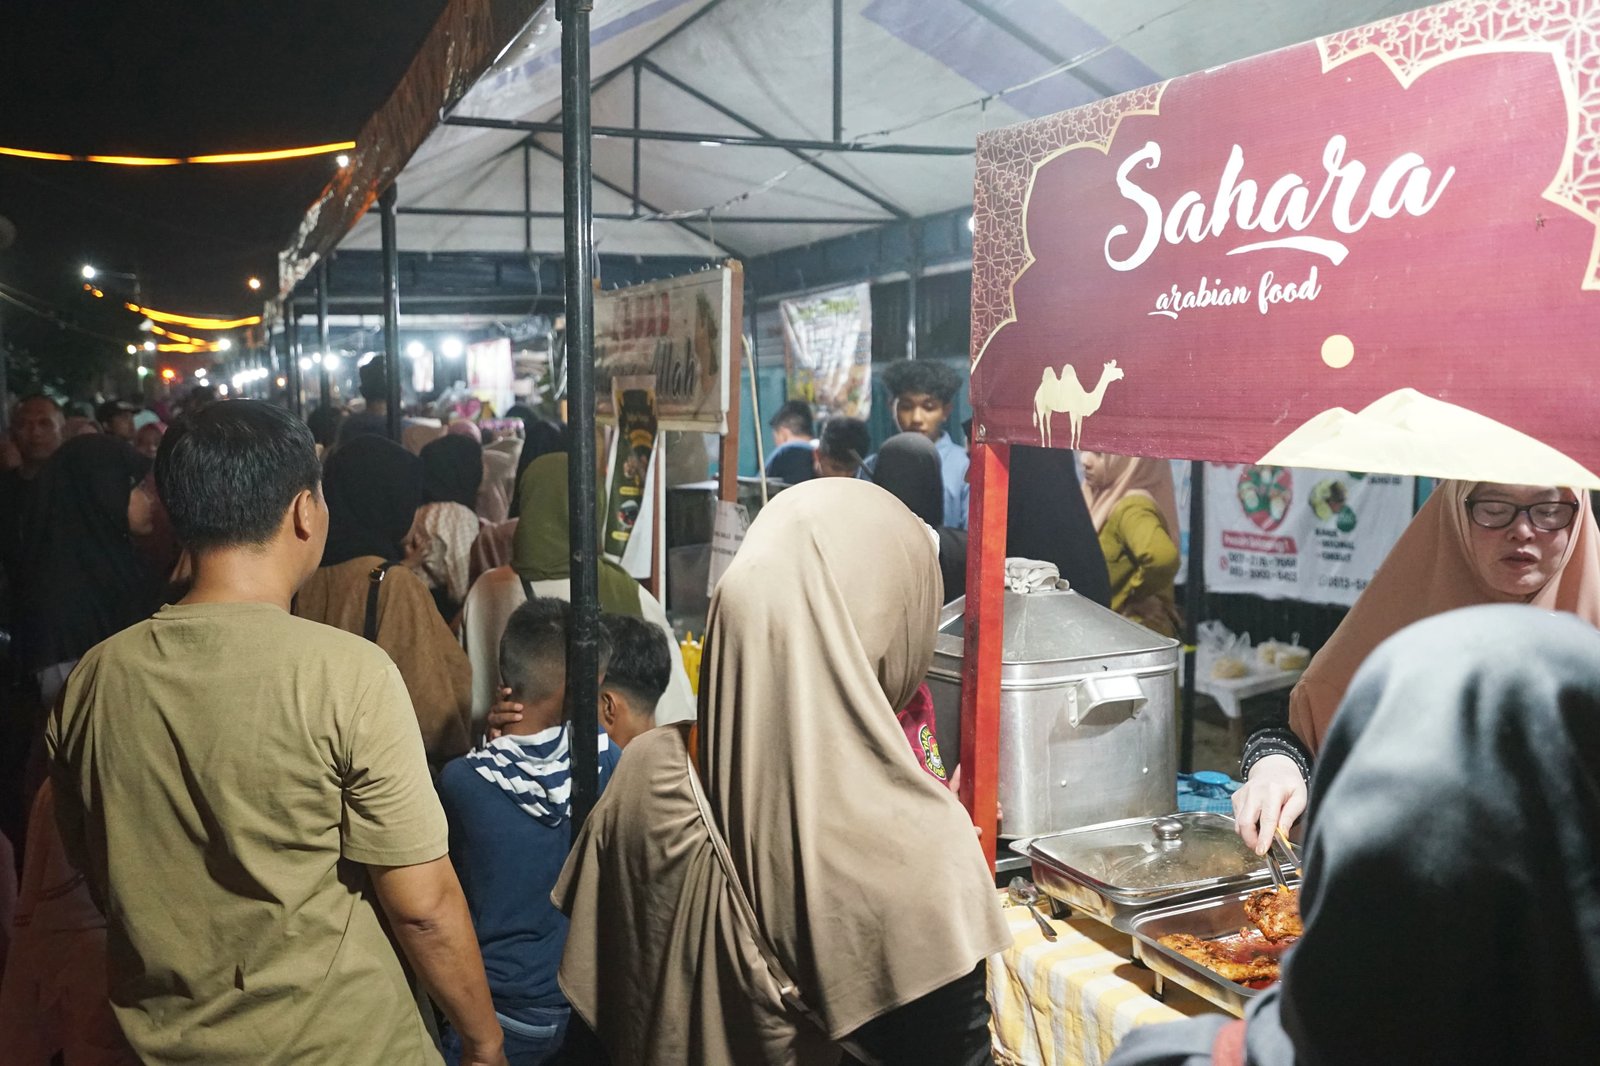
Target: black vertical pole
{"x": 637, "y": 78}
{"x": 1193, "y": 590}
{"x": 583, "y": 643}
{"x": 527, "y": 197}
{"x": 838, "y": 71}
{"x": 913, "y": 278}
{"x": 391, "y": 307}
{"x": 325, "y": 393}
{"x": 291, "y": 344}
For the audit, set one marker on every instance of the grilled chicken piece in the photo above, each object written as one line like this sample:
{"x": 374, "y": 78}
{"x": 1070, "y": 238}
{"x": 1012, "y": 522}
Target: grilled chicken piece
{"x": 1276, "y": 912}
{"x": 1213, "y": 957}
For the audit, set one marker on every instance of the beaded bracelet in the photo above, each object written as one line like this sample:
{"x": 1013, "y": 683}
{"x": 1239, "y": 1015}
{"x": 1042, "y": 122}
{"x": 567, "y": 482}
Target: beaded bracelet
{"x": 1275, "y": 742}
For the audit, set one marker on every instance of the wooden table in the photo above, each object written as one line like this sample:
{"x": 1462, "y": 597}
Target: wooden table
{"x": 1069, "y": 1003}
{"x": 1231, "y": 692}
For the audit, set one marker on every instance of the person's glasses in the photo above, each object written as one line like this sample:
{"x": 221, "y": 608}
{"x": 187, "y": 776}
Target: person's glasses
{"x": 1498, "y": 514}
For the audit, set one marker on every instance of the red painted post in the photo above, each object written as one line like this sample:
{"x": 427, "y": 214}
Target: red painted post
{"x": 989, "y": 475}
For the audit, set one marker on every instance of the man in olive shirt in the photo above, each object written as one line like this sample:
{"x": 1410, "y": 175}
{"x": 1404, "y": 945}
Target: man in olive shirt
{"x": 238, "y": 785}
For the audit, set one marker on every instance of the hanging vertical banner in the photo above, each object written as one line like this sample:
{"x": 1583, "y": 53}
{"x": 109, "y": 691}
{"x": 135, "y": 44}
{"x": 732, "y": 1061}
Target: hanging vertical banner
{"x": 727, "y": 533}
{"x": 634, "y": 400}
{"x": 827, "y": 350}
{"x": 1292, "y": 533}
{"x": 490, "y": 373}
{"x": 681, "y": 331}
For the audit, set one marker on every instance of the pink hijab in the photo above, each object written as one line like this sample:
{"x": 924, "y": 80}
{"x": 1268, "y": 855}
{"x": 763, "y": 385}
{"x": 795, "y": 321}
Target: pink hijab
{"x": 1127, "y": 475}
{"x": 1428, "y": 572}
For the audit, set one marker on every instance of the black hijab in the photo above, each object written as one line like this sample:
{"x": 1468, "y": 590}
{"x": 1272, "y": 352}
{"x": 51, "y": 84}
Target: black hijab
{"x": 373, "y": 487}
{"x": 452, "y": 470}
{"x": 1452, "y": 899}
{"x": 908, "y": 466}
{"x": 1047, "y": 519}
{"x": 540, "y": 436}
{"x": 82, "y": 579}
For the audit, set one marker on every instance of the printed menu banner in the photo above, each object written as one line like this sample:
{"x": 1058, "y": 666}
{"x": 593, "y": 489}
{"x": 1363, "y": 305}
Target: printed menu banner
{"x": 680, "y": 331}
{"x": 1388, "y": 230}
{"x": 727, "y": 533}
{"x": 634, "y": 400}
{"x": 827, "y": 350}
{"x": 1293, "y": 533}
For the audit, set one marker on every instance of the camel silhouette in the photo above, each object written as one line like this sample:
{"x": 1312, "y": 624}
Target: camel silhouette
{"x": 1063, "y": 395}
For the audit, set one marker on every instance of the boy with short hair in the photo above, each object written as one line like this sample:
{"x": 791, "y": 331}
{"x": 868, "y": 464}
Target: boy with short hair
{"x": 794, "y": 442}
{"x": 637, "y": 675}
{"x": 924, "y": 393}
{"x": 843, "y": 447}
{"x": 508, "y": 802}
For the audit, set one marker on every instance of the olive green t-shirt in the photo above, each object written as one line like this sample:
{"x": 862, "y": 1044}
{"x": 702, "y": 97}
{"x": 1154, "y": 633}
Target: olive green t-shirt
{"x": 223, "y": 772}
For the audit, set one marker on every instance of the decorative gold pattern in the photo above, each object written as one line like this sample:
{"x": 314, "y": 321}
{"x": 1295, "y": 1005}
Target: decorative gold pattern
{"x": 1413, "y": 44}
{"x": 1007, "y": 161}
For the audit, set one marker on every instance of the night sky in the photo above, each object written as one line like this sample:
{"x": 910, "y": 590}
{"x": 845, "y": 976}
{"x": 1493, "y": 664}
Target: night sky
{"x": 179, "y": 79}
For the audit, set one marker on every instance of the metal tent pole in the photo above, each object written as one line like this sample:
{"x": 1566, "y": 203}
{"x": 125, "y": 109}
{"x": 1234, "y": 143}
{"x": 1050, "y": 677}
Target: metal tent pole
{"x": 391, "y": 308}
{"x": 1193, "y": 590}
{"x": 325, "y": 394}
{"x": 583, "y": 644}
{"x": 291, "y": 356}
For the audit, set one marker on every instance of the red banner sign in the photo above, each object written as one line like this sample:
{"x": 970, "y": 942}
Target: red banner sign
{"x": 1199, "y": 268}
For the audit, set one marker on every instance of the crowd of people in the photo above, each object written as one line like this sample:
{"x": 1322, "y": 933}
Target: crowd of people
{"x": 288, "y": 771}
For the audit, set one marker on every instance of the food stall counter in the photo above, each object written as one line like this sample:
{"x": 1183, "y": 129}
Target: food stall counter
{"x": 1070, "y": 1002}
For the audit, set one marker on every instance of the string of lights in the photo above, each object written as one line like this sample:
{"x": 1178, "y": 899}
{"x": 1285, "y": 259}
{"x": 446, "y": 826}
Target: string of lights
{"x": 223, "y": 158}
{"x": 173, "y": 319}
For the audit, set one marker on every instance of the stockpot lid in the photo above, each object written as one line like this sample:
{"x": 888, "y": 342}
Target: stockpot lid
{"x": 1056, "y": 626}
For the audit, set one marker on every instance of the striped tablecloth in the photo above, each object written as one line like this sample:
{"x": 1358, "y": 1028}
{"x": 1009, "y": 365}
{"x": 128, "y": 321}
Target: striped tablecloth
{"x": 1071, "y": 1002}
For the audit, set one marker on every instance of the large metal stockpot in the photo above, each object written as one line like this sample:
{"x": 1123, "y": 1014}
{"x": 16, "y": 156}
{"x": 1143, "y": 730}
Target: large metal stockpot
{"x": 1087, "y": 712}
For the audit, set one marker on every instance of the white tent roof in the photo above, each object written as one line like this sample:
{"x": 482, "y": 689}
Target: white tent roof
{"x": 909, "y": 66}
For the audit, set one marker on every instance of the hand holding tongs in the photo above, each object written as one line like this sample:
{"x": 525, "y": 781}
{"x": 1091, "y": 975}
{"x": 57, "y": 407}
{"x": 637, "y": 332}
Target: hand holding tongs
{"x": 1279, "y": 853}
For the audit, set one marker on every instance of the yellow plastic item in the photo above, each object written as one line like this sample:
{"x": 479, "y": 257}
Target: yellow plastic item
{"x": 690, "y": 647}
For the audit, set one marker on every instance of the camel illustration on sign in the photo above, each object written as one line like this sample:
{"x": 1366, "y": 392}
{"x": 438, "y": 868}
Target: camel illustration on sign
{"x": 1063, "y": 395}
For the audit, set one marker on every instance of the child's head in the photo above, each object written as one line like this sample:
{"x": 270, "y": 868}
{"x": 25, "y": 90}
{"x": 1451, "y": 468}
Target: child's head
{"x": 923, "y": 393}
{"x": 636, "y": 676}
{"x": 843, "y": 447}
{"x": 533, "y": 661}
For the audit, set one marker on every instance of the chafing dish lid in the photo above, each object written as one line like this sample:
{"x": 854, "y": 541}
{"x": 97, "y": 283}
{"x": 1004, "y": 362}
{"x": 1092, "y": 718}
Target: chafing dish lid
{"x": 1138, "y": 859}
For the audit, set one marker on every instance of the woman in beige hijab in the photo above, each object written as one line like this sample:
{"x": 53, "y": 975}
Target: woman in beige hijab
{"x": 1471, "y": 543}
{"x": 1135, "y": 513}
{"x": 803, "y": 886}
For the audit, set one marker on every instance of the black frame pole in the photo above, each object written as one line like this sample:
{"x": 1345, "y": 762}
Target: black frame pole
{"x": 1193, "y": 591}
{"x": 391, "y": 307}
{"x": 583, "y": 643}
{"x": 838, "y": 71}
{"x": 291, "y": 356}
{"x": 325, "y": 389}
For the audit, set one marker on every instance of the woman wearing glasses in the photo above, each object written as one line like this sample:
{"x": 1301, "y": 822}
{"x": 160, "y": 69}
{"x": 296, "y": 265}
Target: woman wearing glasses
{"x": 1471, "y": 543}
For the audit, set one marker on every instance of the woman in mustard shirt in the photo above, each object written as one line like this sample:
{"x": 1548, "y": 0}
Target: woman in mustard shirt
{"x": 1135, "y": 512}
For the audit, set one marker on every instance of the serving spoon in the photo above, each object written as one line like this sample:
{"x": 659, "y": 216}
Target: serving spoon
{"x": 1025, "y": 892}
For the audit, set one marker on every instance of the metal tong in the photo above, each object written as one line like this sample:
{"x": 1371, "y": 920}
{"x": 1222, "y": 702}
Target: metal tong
{"x": 1280, "y": 852}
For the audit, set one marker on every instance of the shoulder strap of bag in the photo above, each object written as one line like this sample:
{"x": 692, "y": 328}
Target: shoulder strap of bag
{"x": 527, "y": 587}
{"x": 745, "y": 911}
{"x": 369, "y": 627}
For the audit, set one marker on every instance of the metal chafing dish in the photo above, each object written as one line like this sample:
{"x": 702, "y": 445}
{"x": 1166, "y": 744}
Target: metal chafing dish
{"x": 1208, "y": 919}
{"x": 1118, "y": 870}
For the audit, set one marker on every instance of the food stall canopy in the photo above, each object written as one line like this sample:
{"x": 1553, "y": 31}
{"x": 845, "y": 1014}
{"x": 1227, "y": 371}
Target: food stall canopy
{"x": 1374, "y": 251}
{"x": 486, "y": 178}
